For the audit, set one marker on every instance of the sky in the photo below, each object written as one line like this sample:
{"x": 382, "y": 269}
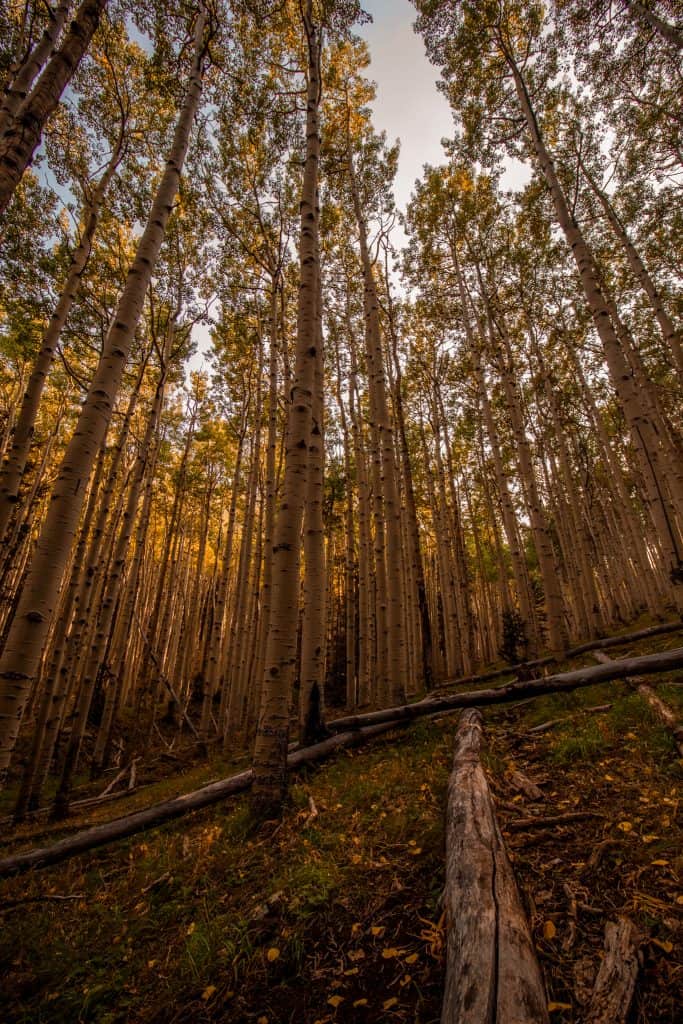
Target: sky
{"x": 408, "y": 105}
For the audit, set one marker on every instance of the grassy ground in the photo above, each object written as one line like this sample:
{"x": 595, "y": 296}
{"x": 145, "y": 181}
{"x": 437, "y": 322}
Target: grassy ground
{"x": 335, "y": 915}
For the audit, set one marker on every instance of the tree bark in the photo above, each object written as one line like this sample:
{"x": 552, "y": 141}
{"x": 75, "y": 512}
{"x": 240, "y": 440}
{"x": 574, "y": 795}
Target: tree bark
{"x": 272, "y": 736}
{"x": 17, "y": 89}
{"x": 492, "y": 974}
{"x": 22, "y": 137}
{"x": 13, "y": 468}
{"x": 666, "y": 661}
{"x": 26, "y": 639}
{"x": 616, "y": 980}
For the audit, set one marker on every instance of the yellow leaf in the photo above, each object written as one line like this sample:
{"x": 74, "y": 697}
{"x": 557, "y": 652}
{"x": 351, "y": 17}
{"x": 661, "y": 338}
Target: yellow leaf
{"x": 360, "y": 1002}
{"x": 262, "y": 1020}
{"x": 335, "y": 1001}
{"x": 151, "y": 964}
{"x": 679, "y": 900}
{"x": 649, "y": 838}
{"x": 351, "y": 971}
{"x": 416, "y": 851}
{"x": 412, "y": 958}
{"x": 191, "y": 928}
{"x": 659, "y": 863}
{"x": 357, "y": 954}
{"x": 552, "y": 1007}
{"x": 631, "y": 736}
{"x": 388, "y": 954}
{"x": 377, "y": 930}
{"x": 389, "y": 1003}
{"x": 665, "y": 945}
{"x": 549, "y": 930}
{"x": 405, "y": 980}
{"x": 625, "y": 826}
{"x": 272, "y": 954}
{"x": 208, "y": 992}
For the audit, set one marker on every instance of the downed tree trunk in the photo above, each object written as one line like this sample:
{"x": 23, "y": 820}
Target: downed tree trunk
{"x": 492, "y": 974}
{"x": 351, "y": 731}
{"x": 616, "y": 980}
{"x": 545, "y": 726}
{"x": 159, "y": 813}
{"x": 592, "y": 645}
{"x": 663, "y": 712}
{"x": 663, "y": 661}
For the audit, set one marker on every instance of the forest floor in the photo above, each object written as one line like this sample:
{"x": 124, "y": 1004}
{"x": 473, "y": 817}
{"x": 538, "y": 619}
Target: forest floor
{"x": 334, "y": 915}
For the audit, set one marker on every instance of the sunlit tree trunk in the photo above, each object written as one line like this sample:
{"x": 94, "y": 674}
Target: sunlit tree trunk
{"x": 22, "y": 135}
{"x": 645, "y": 439}
{"x": 17, "y": 88}
{"x": 272, "y": 735}
{"x": 13, "y": 468}
{"x": 25, "y": 642}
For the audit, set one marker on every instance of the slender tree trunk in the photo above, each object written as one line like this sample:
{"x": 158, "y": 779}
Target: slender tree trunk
{"x": 272, "y": 735}
{"x": 18, "y": 87}
{"x": 671, "y": 336}
{"x": 21, "y": 138}
{"x": 24, "y": 647}
{"x": 312, "y": 674}
{"x": 386, "y": 499}
{"x": 662, "y": 27}
{"x": 644, "y": 436}
{"x": 13, "y": 468}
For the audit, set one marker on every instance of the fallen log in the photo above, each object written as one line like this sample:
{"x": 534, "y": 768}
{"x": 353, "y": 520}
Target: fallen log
{"x": 168, "y": 810}
{"x": 349, "y": 731}
{"x": 662, "y": 710}
{"x": 616, "y": 980}
{"x": 492, "y": 974}
{"x": 545, "y": 726}
{"x": 518, "y": 824}
{"x": 591, "y": 645}
{"x": 663, "y": 661}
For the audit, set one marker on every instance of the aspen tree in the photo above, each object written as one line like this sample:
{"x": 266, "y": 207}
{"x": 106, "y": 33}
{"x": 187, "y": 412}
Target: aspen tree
{"x": 25, "y": 642}
{"x": 19, "y": 84}
{"x": 272, "y": 735}
{"x": 22, "y": 135}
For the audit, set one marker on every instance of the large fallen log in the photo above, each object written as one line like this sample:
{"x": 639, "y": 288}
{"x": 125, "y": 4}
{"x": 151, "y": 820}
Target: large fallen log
{"x": 573, "y": 652}
{"x": 492, "y": 974}
{"x": 663, "y": 661}
{"x": 616, "y": 980}
{"x": 663, "y": 712}
{"x": 158, "y": 814}
{"x": 350, "y": 731}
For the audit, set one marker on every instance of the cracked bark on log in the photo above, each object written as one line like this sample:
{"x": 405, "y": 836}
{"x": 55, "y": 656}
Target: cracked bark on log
{"x": 492, "y": 974}
{"x": 616, "y": 980}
